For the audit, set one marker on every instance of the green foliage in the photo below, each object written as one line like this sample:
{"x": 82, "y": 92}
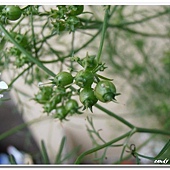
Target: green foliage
{"x": 126, "y": 42}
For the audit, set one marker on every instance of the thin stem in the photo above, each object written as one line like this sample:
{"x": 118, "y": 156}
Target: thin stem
{"x": 146, "y": 157}
{"x": 157, "y": 131}
{"x": 164, "y": 149}
{"x": 30, "y": 57}
{"x": 113, "y": 10}
{"x": 12, "y": 82}
{"x": 145, "y": 19}
{"x": 72, "y": 44}
{"x": 33, "y": 33}
{"x": 123, "y": 28}
{"x": 103, "y": 33}
{"x": 87, "y": 43}
{"x": 59, "y": 155}
{"x": 90, "y": 120}
{"x": 44, "y": 153}
{"x": 141, "y": 146}
{"x": 78, "y": 160}
{"x": 115, "y": 116}
{"x": 77, "y": 50}
{"x": 131, "y": 22}
{"x": 125, "y": 144}
{"x": 17, "y": 23}
{"x": 137, "y": 129}
{"x": 143, "y": 33}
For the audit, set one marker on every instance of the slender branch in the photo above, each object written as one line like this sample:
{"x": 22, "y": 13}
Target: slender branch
{"x": 130, "y": 22}
{"x": 79, "y": 158}
{"x": 153, "y": 35}
{"x": 125, "y": 144}
{"x": 30, "y": 57}
{"x": 88, "y": 42}
{"x": 59, "y": 155}
{"x": 12, "y": 82}
{"x": 164, "y": 149}
{"x": 77, "y": 50}
{"x": 44, "y": 153}
{"x": 16, "y": 24}
{"x": 143, "y": 33}
{"x": 33, "y": 33}
{"x": 123, "y": 26}
{"x": 115, "y": 116}
{"x": 156, "y": 131}
{"x": 103, "y": 33}
{"x": 137, "y": 129}
{"x": 145, "y": 19}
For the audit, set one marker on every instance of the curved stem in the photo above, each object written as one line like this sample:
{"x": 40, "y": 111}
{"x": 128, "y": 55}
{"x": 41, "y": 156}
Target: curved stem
{"x": 115, "y": 116}
{"x": 125, "y": 144}
{"x": 30, "y": 57}
{"x": 78, "y": 160}
{"x": 16, "y": 24}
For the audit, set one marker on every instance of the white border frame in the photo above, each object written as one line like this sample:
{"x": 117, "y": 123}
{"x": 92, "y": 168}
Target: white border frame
{"x": 85, "y": 2}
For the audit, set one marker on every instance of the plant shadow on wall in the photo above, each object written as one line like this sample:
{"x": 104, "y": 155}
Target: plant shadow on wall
{"x": 130, "y": 42}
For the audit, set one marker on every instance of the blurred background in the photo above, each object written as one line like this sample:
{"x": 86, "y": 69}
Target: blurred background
{"x": 137, "y": 54}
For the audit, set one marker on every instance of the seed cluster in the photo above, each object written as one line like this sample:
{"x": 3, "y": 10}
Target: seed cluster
{"x": 90, "y": 88}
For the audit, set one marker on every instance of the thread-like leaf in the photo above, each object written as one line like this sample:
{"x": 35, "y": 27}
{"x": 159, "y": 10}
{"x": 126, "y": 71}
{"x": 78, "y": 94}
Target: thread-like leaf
{"x": 59, "y": 155}
{"x": 164, "y": 149}
{"x": 44, "y": 153}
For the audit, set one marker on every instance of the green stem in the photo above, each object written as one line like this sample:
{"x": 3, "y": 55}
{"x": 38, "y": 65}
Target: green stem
{"x": 156, "y": 131}
{"x": 145, "y": 18}
{"x": 103, "y": 33}
{"x": 144, "y": 34}
{"x": 30, "y": 57}
{"x": 143, "y": 156}
{"x": 136, "y": 129}
{"x": 77, "y": 50}
{"x": 131, "y": 22}
{"x": 33, "y": 33}
{"x": 59, "y": 155}
{"x": 17, "y": 23}
{"x": 125, "y": 144}
{"x": 78, "y": 160}
{"x": 115, "y": 116}
{"x": 141, "y": 146}
{"x": 12, "y": 82}
{"x": 164, "y": 149}
{"x": 44, "y": 153}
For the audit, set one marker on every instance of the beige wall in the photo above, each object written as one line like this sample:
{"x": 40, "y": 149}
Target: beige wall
{"x": 51, "y": 131}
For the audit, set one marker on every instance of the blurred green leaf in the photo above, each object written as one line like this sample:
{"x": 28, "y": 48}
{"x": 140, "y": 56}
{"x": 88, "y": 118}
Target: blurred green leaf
{"x": 12, "y": 159}
{"x": 59, "y": 155}
{"x": 44, "y": 153}
{"x": 164, "y": 149}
